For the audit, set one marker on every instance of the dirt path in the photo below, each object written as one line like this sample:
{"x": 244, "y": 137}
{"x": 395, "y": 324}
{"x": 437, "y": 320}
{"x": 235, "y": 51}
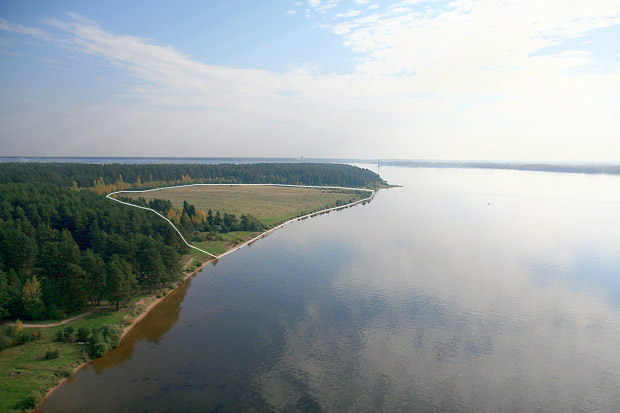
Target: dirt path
{"x": 65, "y": 321}
{"x": 188, "y": 263}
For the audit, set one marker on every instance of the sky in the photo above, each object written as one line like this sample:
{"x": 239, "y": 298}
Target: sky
{"x": 412, "y": 79}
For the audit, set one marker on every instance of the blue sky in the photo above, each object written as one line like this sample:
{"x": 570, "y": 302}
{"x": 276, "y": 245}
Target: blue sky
{"x": 464, "y": 79}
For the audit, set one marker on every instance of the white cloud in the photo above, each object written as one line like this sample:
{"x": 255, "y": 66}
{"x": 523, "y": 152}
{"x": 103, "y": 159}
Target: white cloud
{"x": 23, "y": 30}
{"x": 458, "y": 81}
{"x": 350, "y": 13}
{"x": 322, "y": 6}
{"x": 290, "y": 12}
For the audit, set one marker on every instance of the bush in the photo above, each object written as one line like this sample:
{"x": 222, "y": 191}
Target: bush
{"x": 32, "y": 400}
{"x": 37, "y": 334}
{"x": 112, "y": 334}
{"x": 59, "y": 336}
{"x": 64, "y": 373}
{"x": 84, "y": 334}
{"x": 5, "y": 341}
{"x": 67, "y": 334}
{"x": 10, "y": 332}
{"x": 24, "y": 337}
{"x": 98, "y": 345}
{"x": 52, "y": 353}
{"x": 103, "y": 340}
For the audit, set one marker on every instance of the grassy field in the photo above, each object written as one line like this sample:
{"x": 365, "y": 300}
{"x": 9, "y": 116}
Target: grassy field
{"x": 24, "y": 370}
{"x": 270, "y": 204}
{"x": 226, "y": 242}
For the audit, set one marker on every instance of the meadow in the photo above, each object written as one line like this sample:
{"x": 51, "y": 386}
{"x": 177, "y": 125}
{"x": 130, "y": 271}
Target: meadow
{"x": 270, "y": 204}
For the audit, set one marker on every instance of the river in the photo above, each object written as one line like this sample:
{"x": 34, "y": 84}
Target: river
{"x": 464, "y": 290}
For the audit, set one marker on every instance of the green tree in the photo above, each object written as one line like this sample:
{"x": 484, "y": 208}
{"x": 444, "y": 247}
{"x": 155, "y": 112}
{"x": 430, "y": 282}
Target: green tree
{"x": 5, "y": 295}
{"x": 94, "y": 267}
{"x": 121, "y": 282}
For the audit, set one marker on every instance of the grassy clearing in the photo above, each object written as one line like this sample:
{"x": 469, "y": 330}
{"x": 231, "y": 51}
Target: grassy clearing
{"x": 220, "y": 246}
{"x": 24, "y": 369}
{"x": 270, "y": 204}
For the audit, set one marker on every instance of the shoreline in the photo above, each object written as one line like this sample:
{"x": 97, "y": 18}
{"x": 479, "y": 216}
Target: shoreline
{"x": 126, "y": 330}
{"x": 157, "y": 301}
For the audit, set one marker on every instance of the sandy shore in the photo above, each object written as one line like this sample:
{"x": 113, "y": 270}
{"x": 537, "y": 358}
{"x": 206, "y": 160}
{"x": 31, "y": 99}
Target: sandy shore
{"x": 127, "y": 329}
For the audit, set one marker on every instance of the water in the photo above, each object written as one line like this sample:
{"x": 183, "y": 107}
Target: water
{"x": 465, "y": 290}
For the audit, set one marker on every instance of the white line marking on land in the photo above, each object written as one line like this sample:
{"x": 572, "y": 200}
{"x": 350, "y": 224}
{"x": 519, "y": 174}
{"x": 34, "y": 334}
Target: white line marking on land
{"x": 371, "y": 191}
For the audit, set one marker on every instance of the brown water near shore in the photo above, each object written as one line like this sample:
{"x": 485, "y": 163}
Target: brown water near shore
{"x": 465, "y": 290}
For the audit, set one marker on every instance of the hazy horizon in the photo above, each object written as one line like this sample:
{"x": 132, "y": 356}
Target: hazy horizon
{"x": 449, "y": 80}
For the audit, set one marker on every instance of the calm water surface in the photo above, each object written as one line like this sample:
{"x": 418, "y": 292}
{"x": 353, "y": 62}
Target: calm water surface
{"x": 464, "y": 290}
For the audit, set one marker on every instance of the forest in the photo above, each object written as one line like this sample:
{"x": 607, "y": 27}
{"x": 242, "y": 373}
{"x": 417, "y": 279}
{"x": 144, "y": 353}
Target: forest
{"x": 63, "y": 245}
{"x": 109, "y": 177}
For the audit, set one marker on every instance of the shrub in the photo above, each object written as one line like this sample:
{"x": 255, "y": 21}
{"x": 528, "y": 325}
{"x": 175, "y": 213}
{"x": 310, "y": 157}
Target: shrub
{"x": 112, "y": 334}
{"x": 24, "y": 337}
{"x": 52, "y": 353}
{"x": 84, "y": 334}
{"x": 98, "y": 345}
{"x": 64, "y": 373}
{"x": 5, "y": 341}
{"x": 33, "y": 400}
{"x": 37, "y": 334}
{"x": 10, "y": 332}
{"x": 69, "y": 333}
{"x": 103, "y": 340}
{"x": 59, "y": 336}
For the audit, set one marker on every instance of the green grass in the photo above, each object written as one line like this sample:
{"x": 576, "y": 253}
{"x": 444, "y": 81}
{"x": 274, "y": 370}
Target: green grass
{"x": 23, "y": 368}
{"x": 217, "y": 247}
{"x": 270, "y": 204}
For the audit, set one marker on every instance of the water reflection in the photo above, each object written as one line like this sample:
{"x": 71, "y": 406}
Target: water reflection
{"x": 151, "y": 328}
{"x": 465, "y": 290}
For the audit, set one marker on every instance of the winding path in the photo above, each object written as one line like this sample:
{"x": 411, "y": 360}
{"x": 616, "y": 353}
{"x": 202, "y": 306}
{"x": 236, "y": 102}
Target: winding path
{"x": 59, "y": 323}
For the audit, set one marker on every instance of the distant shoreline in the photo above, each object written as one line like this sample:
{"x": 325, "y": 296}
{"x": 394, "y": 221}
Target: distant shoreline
{"x": 608, "y": 167}
{"x": 583, "y": 168}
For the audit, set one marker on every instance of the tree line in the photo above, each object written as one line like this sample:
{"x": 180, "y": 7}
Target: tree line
{"x": 61, "y": 250}
{"x": 190, "y": 220}
{"x": 63, "y": 245}
{"x": 153, "y": 175}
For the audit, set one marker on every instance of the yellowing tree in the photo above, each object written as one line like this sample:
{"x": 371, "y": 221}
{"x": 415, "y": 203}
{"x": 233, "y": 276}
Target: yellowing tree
{"x": 31, "y": 296}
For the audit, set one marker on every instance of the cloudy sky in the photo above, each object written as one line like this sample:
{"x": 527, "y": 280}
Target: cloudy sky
{"x": 463, "y": 79}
